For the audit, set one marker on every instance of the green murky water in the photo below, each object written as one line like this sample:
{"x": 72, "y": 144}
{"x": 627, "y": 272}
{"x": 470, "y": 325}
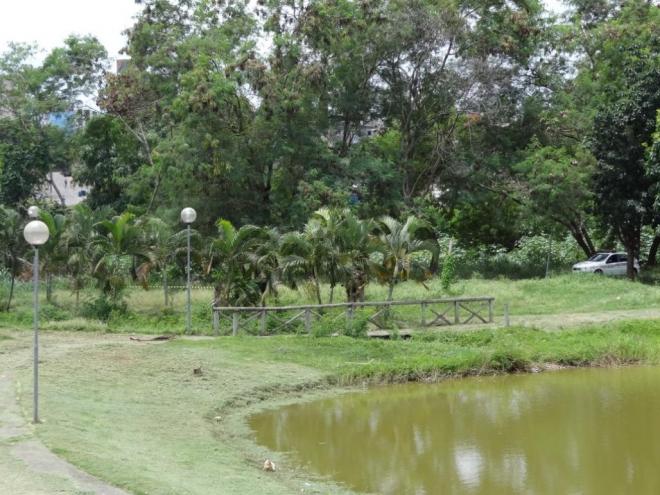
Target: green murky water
{"x": 593, "y": 431}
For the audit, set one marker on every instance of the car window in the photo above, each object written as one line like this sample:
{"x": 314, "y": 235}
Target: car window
{"x": 622, "y": 258}
{"x": 613, "y": 259}
{"x": 598, "y": 257}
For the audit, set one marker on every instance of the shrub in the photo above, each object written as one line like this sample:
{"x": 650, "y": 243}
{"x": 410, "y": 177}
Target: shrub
{"x": 527, "y": 260}
{"x": 54, "y": 313}
{"x": 331, "y": 324}
{"x": 103, "y": 308}
{"x": 448, "y": 275}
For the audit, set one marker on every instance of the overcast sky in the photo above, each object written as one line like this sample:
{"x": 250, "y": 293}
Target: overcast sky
{"x": 48, "y": 22}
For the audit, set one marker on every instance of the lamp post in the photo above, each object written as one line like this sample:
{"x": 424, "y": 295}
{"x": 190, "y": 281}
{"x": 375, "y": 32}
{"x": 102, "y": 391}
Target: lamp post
{"x": 36, "y": 234}
{"x": 188, "y": 216}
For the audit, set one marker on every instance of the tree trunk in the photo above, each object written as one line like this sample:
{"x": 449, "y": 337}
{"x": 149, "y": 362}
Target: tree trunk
{"x": 217, "y": 296}
{"x": 390, "y": 291}
{"x": 49, "y": 287}
{"x": 631, "y": 272}
{"x": 435, "y": 262}
{"x": 165, "y": 288}
{"x": 332, "y": 290}
{"x": 587, "y": 240}
{"x": 582, "y": 238}
{"x": 318, "y": 289}
{"x": 13, "y": 279}
{"x": 653, "y": 251}
{"x": 77, "y": 301}
{"x": 631, "y": 244}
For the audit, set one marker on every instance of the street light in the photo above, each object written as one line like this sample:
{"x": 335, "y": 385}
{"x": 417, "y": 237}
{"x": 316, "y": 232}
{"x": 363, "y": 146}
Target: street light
{"x": 36, "y": 234}
{"x": 188, "y": 216}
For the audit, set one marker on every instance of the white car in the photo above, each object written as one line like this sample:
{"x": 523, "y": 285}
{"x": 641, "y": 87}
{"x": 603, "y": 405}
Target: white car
{"x": 605, "y": 264}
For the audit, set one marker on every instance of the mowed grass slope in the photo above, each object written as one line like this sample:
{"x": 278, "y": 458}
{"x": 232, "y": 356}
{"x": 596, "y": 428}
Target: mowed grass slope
{"x": 136, "y": 415}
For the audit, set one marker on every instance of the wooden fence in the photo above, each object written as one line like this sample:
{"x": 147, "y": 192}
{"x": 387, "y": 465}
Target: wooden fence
{"x": 381, "y": 315}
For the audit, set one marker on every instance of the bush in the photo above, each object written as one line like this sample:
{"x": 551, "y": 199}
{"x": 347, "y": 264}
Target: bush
{"x": 527, "y": 260}
{"x": 448, "y": 275}
{"x": 357, "y": 326}
{"x": 54, "y": 313}
{"x": 103, "y": 308}
{"x": 331, "y": 324}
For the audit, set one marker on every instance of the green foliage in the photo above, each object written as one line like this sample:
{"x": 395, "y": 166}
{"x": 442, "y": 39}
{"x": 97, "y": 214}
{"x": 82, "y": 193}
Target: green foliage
{"x": 331, "y": 325}
{"x": 118, "y": 241}
{"x": 29, "y": 95}
{"x": 11, "y": 247}
{"x": 448, "y": 275}
{"x": 397, "y": 244}
{"x": 489, "y": 122}
{"x": 25, "y": 156}
{"x": 621, "y": 134}
{"x": 556, "y": 187}
{"x": 232, "y": 264}
{"x": 103, "y": 308}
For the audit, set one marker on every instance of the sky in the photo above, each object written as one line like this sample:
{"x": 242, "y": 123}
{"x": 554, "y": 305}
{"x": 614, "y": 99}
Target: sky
{"x": 49, "y": 22}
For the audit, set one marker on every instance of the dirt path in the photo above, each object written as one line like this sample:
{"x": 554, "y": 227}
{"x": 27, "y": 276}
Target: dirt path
{"x": 27, "y": 467}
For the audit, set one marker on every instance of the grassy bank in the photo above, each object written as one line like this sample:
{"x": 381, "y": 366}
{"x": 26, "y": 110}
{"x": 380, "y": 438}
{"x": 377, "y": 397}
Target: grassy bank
{"x": 148, "y": 314}
{"x": 136, "y": 415}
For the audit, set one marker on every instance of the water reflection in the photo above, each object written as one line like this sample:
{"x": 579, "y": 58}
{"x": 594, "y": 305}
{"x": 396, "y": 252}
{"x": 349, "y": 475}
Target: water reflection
{"x": 577, "y": 432}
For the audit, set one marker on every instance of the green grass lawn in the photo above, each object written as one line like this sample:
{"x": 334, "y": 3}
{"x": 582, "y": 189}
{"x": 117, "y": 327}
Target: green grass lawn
{"x": 136, "y": 415}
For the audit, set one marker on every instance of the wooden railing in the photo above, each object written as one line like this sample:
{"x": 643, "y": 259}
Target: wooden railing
{"x": 382, "y": 315}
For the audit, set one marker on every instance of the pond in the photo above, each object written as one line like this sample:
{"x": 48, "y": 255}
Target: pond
{"x": 587, "y": 431}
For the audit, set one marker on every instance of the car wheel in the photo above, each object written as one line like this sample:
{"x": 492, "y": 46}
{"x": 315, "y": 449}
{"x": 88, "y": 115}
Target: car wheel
{"x": 598, "y": 272}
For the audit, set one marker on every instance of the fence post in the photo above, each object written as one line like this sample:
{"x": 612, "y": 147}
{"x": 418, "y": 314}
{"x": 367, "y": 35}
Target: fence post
{"x": 457, "y": 318}
{"x": 262, "y": 322}
{"x": 234, "y": 323}
{"x": 423, "y": 314}
{"x": 490, "y": 311}
{"x": 216, "y": 322}
{"x": 308, "y": 320}
{"x": 506, "y": 315}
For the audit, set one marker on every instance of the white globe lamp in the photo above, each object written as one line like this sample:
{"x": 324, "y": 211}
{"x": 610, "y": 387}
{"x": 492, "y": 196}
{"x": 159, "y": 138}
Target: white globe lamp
{"x": 188, "y": 215}
{"x": 36, "y": 233}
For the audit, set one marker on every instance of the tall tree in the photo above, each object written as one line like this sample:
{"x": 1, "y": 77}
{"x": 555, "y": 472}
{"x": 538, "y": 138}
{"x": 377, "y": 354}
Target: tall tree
{"x": 623, "y": 186}
{"x": 30, "y": 95}
{"x": 11, "y": 246}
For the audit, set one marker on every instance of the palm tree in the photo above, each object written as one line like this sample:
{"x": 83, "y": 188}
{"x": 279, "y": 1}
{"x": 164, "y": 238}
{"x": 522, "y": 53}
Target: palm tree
{"x": 160, "y": 246}
{"x": 323, "y": 230}
{"x": 397, "y": 243}
{"x": 232, "y": 261}
{"x": 302, "y": 260}
{"x": 118, "y": 241}
{"x": 11, "y": 245}
{"x": 78, "y": 240}
{"x": 265, "y": 261}
{"x": 54, "y": 252}
{"x": 357, "y": 244}
{"x": 315, "y": 254}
